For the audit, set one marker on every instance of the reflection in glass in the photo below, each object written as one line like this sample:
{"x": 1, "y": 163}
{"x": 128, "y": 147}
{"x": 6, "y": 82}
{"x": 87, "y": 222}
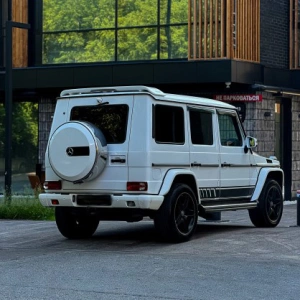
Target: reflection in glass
{"x": 173, "y": 11}
{"x": 137, "y": 44}
{"x": 76, "y": 31}
{"x": 137, "y": 12}
{"x": 61, "y": 15}
{"x": 173, "y": 42}
{"x": 79, "y": 47}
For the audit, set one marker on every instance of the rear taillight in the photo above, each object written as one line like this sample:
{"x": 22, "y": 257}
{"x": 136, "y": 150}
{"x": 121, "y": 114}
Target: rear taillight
{"x": 52, "y": 185}
{"x": 137, "y": 186}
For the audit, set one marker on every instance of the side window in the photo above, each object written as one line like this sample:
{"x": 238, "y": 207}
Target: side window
{"x": 229, "y": 130}
{"x": 201, "y": 127}
{"x": 168, "y": 124}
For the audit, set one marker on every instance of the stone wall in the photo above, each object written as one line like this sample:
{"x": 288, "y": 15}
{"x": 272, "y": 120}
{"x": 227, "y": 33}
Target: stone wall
{"x": 46, "y": 110}
{"x": 261, "y": 127}
{"x": 295, "y": 144}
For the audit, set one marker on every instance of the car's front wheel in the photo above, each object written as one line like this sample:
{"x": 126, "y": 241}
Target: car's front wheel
{"x": 177, "y": 217}
{"x": 74, "y": 225}
{"x": 270, "y": 206}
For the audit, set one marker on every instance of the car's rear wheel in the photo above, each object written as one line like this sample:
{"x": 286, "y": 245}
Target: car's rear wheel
{"x": 176, "y": 220}
{"x": 270, "y": 206}
{"x": 75, "y": 225}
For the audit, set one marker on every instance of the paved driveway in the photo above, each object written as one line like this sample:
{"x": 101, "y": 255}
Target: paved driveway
{"x": 226, "y": 260}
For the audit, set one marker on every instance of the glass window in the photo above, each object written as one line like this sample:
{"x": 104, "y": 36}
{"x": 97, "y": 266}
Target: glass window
{"x": 78, "y": 31}
{"x": 169, "y": 124}
{"x": 173, "y": 11}
{"x": 137, "y": 44}
{"x": 73, "y": 47}
{"x": 201, "y": 127}
{"x": 230, "y": 133}
{"x": 110, "y": 119}
{"x": 137, "y": 13}
{"x": 173, "y": 42}
{"x": 61, "y": 15}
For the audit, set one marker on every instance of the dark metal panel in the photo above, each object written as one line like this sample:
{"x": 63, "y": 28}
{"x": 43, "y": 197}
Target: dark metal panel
{"x": 246, "y": 72}
{"x": 35, "y": 15}
{"x": 214, "y": 71}
{"x": 277, "y": 77}
{"x": 55, "y": 77}
{"x": 295, "y": 79}
{"x": 131, "y": 74}
{"x": 93, "y": 76}
{"x": 174, "y": 72}
{"x": 24, "y": 78}
{"x": 2, "y": 80}
{"x": 153, "y": 73}
{"x": 286, "y": 127}
{"x": 1, "y": 34}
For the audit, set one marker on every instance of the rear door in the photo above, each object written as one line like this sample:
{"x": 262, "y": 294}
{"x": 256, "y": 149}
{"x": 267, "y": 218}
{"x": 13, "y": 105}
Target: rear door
{"x": 112, "y": 115}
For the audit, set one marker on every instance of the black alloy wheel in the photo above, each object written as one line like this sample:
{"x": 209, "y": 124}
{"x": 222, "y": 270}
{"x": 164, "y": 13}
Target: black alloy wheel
{"x": 269, "y": 210}
{"x": 177, "y": 218}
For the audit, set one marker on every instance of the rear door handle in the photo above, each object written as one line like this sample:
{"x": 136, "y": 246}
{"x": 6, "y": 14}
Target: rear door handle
{"x": 118, "y": 160}
{"x": 225, "y": 165}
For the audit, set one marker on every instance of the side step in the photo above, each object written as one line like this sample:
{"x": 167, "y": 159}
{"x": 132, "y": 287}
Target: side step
{"x": 232, "y": 206}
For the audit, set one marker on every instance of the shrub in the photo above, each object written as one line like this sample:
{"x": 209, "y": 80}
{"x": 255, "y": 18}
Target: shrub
{"x": 24, "y": 208}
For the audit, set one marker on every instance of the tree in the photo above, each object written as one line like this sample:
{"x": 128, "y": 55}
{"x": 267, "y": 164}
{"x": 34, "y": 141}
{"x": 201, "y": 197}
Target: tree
{"x": 24, "y": 131}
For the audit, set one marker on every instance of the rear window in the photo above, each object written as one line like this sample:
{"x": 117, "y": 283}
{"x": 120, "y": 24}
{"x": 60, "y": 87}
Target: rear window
{"x": 110, "y": 119}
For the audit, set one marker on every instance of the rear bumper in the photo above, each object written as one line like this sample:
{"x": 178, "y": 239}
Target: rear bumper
{"x": 152, "y": 202}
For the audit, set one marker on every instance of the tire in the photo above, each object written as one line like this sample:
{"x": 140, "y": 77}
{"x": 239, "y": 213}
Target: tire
{"x": 75, "y": 226}
{"x": 270, "y": 206}
{"x": 176, "y": 219}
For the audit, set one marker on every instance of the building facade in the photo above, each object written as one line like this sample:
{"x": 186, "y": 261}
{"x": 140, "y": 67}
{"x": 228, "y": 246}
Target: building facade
{"x": 245, "y": 52}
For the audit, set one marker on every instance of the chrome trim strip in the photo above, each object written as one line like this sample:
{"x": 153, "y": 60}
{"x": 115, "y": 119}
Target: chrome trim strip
{"x": 170, "y": 165}
{"x": 205, "y": 165}
{"x": 236, "y": 187}
{"x": 235, "y": 165}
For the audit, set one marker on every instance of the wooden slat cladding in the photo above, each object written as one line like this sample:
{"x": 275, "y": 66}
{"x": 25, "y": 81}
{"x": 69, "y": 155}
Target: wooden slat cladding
{"x": 224, "y": 29}
{"x": 294, "y": 34}
{"x": 20, "y": 36}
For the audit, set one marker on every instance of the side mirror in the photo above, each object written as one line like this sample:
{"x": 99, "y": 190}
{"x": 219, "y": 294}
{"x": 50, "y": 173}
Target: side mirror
{"x": 251, "y": 142}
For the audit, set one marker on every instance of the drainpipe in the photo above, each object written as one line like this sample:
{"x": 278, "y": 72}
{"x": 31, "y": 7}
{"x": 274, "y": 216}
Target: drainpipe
{"x": 298, "y": 208}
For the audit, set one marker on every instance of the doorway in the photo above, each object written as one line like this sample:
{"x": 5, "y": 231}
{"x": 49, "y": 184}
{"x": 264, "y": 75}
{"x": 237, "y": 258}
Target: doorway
{"x": 283, "y": 141}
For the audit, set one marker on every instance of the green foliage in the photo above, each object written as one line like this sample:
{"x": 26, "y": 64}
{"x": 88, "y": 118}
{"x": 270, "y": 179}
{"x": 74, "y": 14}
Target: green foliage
{"x": 91, "y": 30}
{"x": 24, "y": 130}
{"x": 25, "y": 208}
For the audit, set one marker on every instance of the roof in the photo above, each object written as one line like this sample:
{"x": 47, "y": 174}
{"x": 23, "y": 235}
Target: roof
{"x": 154, "y": 92}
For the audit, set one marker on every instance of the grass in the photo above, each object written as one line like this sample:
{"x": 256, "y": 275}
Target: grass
{"x": 25, "y": 208}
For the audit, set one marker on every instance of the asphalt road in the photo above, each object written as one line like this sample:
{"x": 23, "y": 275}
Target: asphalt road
{"x": 226, "y": 260}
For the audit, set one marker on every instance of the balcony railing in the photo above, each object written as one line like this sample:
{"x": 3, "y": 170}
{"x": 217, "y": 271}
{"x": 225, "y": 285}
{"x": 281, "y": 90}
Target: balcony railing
{"x": 221, "y": 29}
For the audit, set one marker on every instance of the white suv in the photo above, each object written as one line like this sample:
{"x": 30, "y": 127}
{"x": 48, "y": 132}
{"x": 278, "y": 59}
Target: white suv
{"x": 129, "y": 152}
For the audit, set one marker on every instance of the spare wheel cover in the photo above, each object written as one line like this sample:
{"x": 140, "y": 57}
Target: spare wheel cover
{"x": 77, "y": 151}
